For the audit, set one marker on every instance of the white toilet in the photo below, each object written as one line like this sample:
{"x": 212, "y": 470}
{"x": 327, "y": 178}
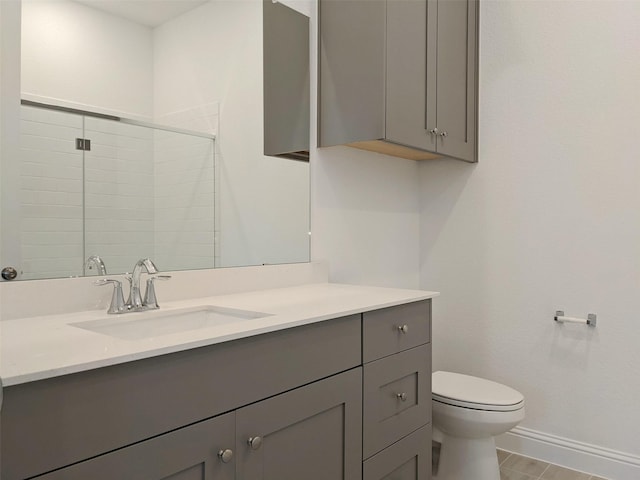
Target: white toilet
{"x": 468, "y": 412}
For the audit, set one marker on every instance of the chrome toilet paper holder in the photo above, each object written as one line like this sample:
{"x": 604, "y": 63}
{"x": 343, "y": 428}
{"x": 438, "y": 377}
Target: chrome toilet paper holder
{"x": 561, "y": 318}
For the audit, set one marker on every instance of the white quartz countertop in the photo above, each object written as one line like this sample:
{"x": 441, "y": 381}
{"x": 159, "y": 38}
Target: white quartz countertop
{"x": 48, "y": 346}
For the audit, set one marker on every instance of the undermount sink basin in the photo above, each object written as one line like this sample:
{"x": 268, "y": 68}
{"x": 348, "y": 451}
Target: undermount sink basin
{"x": 155, "y": 323}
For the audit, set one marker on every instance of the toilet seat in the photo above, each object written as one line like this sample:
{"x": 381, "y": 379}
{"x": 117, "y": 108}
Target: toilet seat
{"x": 474, "y": 393}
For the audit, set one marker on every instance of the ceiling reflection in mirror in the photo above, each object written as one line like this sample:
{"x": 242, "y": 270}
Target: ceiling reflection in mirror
{"x": 154, "y": 147}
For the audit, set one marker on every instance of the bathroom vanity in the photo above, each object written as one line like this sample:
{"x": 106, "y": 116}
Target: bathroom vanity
{"x": 333, "y": 384}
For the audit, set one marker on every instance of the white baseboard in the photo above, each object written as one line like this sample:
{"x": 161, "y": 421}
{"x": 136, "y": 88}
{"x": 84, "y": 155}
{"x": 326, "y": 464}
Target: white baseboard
{"x": 583, "y": 457}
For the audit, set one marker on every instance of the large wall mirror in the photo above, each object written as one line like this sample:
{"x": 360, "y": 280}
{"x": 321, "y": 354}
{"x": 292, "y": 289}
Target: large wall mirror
{"x": 141, "y": 135}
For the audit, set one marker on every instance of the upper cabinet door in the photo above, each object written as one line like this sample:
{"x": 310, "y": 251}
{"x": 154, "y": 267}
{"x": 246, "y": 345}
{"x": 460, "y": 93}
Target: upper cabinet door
{"x": 406, "y": 102}
{"x": 286, "y": 81}
{"x": 351, "y": 71}
{"x": 452, "y": 77}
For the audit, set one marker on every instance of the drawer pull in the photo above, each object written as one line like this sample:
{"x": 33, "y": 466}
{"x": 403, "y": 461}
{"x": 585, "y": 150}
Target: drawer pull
{"x": 403, "y": 328}
{"x": 254, "y": 442}
{"x": 225, "y": 455}
{"x": 402, "y": 396}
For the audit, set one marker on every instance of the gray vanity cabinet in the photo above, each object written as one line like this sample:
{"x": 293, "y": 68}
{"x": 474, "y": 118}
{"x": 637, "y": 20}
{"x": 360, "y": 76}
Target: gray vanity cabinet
{"x": 325, "y": 401}
{"x": 396, "y": 433}
{"x": 190, "y": 453}
{"x": 61, "y": 421}
{"x": 312, "y": 432}
{"x": 422, "y": 81}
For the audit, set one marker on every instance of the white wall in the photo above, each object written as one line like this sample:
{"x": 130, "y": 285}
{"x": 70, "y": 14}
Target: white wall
{"x": 77, "y": 56}
{"x": 212, "y": 55}
{"x": 365, "y": 209}
{"x": 366, "y": 219}
{"x": 547, "y": 220}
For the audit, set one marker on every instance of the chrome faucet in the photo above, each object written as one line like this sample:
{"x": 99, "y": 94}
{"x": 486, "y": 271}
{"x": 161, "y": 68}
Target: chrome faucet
{"x": 95, "y": 261}
{"x": 135, "y": 299}
{"x": 135, "y": 302}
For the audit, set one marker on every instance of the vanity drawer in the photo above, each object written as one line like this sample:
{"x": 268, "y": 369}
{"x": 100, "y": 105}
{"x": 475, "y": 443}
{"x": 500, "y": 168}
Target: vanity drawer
{"x": 397, "y": 397}
{"x": 394, "y": 329}
{"x": 408, "y": 459}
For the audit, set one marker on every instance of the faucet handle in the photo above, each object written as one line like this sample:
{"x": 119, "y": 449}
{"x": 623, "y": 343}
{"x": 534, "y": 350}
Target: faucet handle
{"x": 117, "y": 299}
{"x": 150, "y": 300}
{"x": 129, "y": 278}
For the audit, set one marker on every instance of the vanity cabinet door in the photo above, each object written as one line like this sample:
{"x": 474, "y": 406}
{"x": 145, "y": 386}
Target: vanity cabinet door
{"x": 190, "y": 453}
{"x": 311, "y": 433}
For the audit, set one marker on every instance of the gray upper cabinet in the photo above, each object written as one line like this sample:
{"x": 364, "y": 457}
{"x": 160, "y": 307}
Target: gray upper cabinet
{"x": 351, "y": 71}
{"x": 426, "y": 97}
{"x": 286, "y": 81}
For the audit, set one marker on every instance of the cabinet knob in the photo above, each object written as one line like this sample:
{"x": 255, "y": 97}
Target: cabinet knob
{"x": 443, "y": 134}
{"x": 434, "y": 131}
{"x": 225, "y": 455}
{"x": 254, "y": 442}
{"x": 403, "y": 328}
{"x": 402, "y": 396}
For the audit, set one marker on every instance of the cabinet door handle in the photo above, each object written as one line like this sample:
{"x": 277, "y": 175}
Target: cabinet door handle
{"x": 444, "y": 134}
{"x": 403, "y": 328}
{"x": 402, "y": 396}
{"x": 254, "y": 442}
{"x": 225, "y": 455}
{"x": 434, "y": 131}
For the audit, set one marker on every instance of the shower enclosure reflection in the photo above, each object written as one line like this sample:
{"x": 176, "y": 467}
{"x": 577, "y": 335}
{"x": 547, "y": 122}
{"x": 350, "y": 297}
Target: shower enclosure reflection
{"x": 133, "y": 191}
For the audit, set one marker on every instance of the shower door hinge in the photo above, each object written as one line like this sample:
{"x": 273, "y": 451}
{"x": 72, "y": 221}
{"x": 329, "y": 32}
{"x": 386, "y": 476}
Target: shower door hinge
{"x": 83, "y": 144}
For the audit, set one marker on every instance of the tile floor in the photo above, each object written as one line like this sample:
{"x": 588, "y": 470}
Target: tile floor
{"x": 517, "y": 467}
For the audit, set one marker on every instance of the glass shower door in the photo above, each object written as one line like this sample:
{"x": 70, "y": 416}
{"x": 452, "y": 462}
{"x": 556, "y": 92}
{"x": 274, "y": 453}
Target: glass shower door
{"x": 149, "y": 192}
{"x": 112, "y": 188}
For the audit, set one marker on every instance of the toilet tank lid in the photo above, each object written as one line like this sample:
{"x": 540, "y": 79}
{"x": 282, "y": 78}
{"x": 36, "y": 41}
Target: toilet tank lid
{"x": 466, "y": 388}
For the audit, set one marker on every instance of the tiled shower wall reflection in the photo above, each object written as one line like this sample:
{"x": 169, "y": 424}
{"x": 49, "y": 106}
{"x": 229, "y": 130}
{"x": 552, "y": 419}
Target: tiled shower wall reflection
{"x": 147, "y": 193}
{"x": 119, "y": 193}
{"x": 48, "y": 220}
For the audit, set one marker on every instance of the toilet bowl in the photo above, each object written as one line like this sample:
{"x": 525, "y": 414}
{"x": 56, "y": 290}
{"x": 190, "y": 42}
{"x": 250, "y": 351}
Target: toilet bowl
{"x": 468, "y": 412}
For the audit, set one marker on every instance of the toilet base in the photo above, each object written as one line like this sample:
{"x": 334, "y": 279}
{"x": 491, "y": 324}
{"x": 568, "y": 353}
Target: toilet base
{"x": 467, "y": 459}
